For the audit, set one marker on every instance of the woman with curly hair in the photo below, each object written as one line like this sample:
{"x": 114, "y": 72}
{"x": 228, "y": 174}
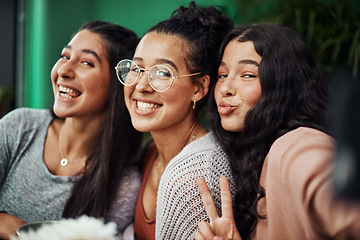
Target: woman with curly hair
{"x": 268, "y": 112}
{"x": 166, "y": 84}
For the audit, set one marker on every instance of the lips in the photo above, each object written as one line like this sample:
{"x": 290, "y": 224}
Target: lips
{"x": 225, "y": 108}
{"x": 68, "y": 92}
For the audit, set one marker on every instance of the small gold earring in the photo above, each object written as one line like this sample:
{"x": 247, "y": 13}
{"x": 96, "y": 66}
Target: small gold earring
{"x": 194, "y": 105}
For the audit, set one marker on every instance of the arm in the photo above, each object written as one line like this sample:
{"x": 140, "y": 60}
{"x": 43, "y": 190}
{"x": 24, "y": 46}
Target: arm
{"x": 8, "y": 225}
{"x": 6, "y": 124}
{"x": 306, "y": 172}
{"x": 122, "y": 209}
{"x": 223, "y": 227}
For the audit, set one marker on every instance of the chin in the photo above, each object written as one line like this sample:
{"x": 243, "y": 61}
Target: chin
{"x": 231, "y": 127}
{"x": 58, "y": 112}
{"x": 141, "y": 127}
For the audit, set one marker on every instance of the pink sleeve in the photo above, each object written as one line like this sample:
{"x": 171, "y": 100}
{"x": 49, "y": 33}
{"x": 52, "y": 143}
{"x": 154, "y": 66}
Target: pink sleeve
{"x": 306, "y": 164}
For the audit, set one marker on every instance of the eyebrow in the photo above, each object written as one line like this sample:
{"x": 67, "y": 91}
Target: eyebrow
{"x": 248, "y": 61}
{"x": 87, "y": 51}
{"x": 245, "y": 61}
{"x": 159, "y": 60}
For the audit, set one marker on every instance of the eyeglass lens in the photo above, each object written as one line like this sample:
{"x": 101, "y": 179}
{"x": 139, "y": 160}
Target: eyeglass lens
{"x": 160, "y": 76}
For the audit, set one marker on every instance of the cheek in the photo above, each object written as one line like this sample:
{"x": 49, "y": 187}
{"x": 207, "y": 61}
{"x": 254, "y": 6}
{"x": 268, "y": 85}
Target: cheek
{"x": 54, "y": 76}
{"x": 217, "y": 92}
{"x": 250, "y": 93}
{"x": 255, "y": 95}
{"x": 96, "y": 86}
{"x": 127, "y": 92}
{"x": 54, "y": 72}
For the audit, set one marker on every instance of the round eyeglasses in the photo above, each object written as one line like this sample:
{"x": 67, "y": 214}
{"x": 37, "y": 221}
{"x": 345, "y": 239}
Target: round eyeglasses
{"x": 160, "y": 76}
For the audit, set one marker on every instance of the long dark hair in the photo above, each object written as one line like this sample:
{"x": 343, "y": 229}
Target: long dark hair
{"x": 93, "y": 193}
{"x": 202, "y": 29}
{"x": 294, "y": 94}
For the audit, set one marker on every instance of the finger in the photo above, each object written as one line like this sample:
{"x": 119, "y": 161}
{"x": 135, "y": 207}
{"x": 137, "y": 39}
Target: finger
{"x": 226, "y": 200}
{"x": 198, "y": 236}
{"x": 218, "y": 238}
{"x": 205, "y": 230}
{"x": 207, "y": 199}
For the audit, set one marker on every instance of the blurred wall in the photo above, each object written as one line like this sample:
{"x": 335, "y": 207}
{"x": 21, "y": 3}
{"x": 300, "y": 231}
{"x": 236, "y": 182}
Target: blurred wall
{"x": 45, "y": 26}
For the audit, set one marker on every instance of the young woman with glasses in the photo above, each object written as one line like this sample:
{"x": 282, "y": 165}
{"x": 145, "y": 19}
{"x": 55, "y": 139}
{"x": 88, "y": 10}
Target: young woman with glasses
{"x": 78, "y": 159}
{"x": 166, "y": 84}
{"x": 268, "y": 112}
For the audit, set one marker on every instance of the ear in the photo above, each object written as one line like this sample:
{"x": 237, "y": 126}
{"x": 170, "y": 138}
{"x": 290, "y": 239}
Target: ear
{"x": 202, "y": 87}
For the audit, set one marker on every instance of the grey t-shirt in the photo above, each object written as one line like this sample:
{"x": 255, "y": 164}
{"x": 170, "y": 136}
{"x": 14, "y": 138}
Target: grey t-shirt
{"x": 28, "y": 190}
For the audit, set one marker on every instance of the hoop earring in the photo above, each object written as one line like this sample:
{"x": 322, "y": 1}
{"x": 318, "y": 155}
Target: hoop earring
{"x": 194, "y": 105}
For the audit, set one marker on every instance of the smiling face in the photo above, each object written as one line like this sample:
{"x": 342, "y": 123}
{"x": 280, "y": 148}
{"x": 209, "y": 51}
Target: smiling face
{"x": 152, "y": 111}
{"x": 238, "y": 88}
{"x": 81, "y": 77}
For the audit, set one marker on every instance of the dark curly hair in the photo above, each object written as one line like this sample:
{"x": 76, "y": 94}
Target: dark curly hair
{"x": 294, "y": 94}
{"x": 94, "y": 192}
{"x": 203, "y": 29}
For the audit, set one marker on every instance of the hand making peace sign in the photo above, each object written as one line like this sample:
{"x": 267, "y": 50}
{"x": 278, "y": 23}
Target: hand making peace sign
{"x": 223, "y": 227}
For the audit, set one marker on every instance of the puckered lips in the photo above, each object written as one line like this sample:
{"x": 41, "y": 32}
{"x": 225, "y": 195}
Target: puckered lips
{"x": 225, "y": 108}
{"x": 68, "y": 93}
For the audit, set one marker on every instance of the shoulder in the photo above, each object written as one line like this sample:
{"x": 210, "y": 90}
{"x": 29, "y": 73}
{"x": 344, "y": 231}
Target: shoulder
{"x": 201, "y": 158}
{"x": 130, "y": 182}
{"x": 204, "y": 153}
{"x": 28, "y": 112}
{"x": 303, "y": 150}
{"x": 300, "y": 138}
{"x": 26, "y": 116}
{"x": 206, "y": 144}
{"x": 129, "y": 185}
{"x": 131, "y": 176}
{"x": 302, "y": 133}
{"x": 24, "y": 121}
{"x": 121, "y": 210}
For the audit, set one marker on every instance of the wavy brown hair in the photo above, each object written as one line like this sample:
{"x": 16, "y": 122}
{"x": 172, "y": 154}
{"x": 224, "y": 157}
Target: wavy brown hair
{"x": 202, "y": 29}
{"x": 294, "y": 94}
{"x": 95, "y": 190}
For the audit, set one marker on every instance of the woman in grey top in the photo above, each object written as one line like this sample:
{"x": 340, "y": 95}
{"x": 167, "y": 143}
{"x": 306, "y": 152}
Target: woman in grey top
{"x": 77, "y": 159}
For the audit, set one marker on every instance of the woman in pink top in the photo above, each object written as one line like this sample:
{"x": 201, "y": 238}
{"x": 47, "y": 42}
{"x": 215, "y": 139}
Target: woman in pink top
{"x": 268, "y": 113}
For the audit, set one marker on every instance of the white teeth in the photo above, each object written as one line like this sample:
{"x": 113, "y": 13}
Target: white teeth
{"x": 65, "y": 95}
{"x": 146, "y": 106}
{"x": 68, "y": 90}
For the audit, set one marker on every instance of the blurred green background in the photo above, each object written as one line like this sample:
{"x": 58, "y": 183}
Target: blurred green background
{"x": 35, "y": 31}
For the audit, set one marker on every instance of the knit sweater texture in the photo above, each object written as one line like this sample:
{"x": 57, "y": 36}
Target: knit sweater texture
{"x": 29, "y": 191}
{"x": 179, "y": 206}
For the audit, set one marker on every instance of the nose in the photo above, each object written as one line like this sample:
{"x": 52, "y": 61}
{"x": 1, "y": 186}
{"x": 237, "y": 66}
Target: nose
{"x": 66, "y": 70}
{"x": 226, "y": 87}
{"x": 142, "y": 84}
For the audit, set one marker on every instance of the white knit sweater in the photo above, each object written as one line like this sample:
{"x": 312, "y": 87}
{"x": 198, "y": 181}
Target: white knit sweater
{"x": 179, "y": 206}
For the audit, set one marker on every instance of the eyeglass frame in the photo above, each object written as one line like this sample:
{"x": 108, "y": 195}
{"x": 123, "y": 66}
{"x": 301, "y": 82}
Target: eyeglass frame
{"x": 142, "y": 70}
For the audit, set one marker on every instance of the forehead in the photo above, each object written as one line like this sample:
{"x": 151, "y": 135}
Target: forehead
{"x": 154, "y": 46}
{"x": 86, "y": 39}
{"x": 236, "y": 50}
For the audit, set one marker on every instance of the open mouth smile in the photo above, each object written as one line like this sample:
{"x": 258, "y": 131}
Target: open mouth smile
{"x": 68, "y": 92}
{"x": 144, "y": 106}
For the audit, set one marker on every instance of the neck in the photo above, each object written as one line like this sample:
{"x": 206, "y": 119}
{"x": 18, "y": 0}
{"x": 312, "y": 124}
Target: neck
{"x": 170, "y": 143}
{"x": 79, "y": 137}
